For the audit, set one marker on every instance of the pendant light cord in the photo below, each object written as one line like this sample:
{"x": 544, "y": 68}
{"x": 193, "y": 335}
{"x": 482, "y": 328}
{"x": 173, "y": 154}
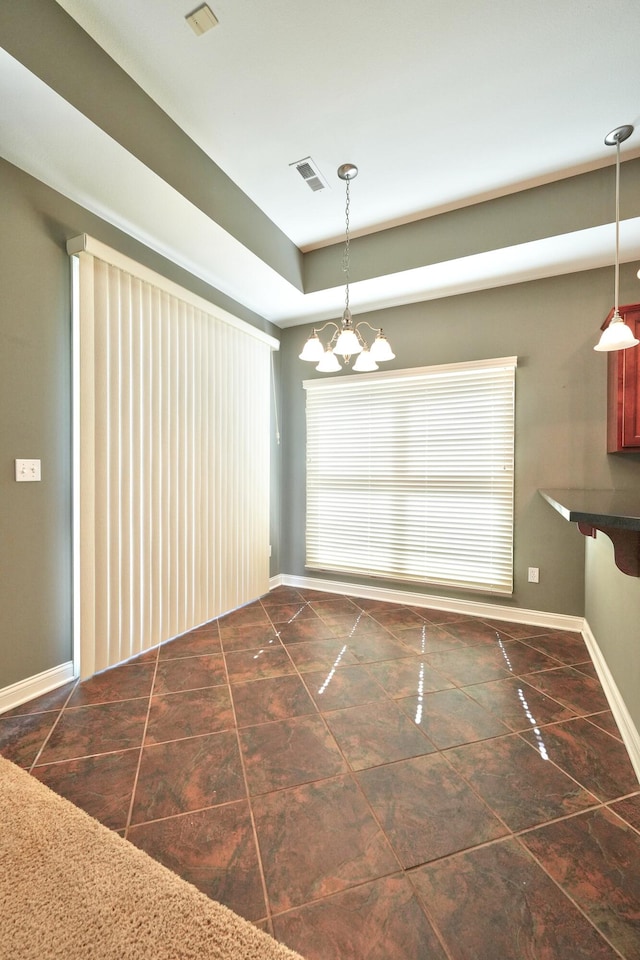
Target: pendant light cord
{"x": 617, "y": 270}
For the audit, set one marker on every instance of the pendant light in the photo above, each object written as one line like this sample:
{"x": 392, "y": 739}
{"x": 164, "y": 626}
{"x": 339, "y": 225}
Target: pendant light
{"x": 347, "y": 340}
{"x": 618, "y": 335}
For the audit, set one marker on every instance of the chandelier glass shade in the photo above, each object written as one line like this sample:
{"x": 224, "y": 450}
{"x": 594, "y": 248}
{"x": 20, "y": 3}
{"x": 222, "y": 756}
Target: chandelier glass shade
{"x": 347, "y": 339}
{"x": 328, "y": 363}
{"x": 617, "y": 335}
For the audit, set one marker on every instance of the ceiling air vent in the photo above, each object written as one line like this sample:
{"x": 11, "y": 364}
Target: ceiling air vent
{"x": 310, "y": 174}
{"x": 201, "y": 20}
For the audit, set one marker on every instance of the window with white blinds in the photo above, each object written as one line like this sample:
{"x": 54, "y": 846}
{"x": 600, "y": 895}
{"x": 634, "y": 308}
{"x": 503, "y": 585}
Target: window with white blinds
{"x": 410, "y": 475}
{"x": 172, "y": 399}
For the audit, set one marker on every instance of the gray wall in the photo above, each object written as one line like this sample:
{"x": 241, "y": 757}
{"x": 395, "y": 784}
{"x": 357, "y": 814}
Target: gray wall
{"x": 554, "y": 209}
{"x": 35, "y": 414}
{"x": 35, "y": 408}
{"x": 551, "y": 325}
{"x": 613, "y": 613}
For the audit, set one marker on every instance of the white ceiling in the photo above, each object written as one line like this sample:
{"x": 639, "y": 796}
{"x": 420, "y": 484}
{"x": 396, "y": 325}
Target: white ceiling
{"x": 440, "y": 105}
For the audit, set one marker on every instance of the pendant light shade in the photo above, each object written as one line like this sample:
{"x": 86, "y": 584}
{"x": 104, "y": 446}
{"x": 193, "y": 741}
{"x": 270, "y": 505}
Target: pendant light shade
{"x": 329, "y": 363}
{"x": 365, "y": 362}
{"x": 381, "y": 349}
{"x": 347, "y": 340}
{"x": 347, "y": 343}
{"x": 313, "y": 349}
{"x": 617, "y": 335}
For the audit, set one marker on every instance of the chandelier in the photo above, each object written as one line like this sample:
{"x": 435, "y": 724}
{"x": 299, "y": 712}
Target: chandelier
{"x": 617, "y": 335}
{"x": 347, "y": 340}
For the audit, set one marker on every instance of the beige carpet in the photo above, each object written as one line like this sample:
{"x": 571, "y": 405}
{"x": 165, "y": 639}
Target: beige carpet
{"x": 70, "y": 889}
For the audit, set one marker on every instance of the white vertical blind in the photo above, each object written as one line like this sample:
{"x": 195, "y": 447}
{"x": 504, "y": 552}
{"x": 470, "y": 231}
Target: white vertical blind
{"x": 410, "y": 475}
{"x": 173, "y": 473}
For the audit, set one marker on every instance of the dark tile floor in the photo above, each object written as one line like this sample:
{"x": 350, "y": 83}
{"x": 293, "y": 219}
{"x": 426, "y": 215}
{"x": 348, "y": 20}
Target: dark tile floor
{"x": 364, "y": 779}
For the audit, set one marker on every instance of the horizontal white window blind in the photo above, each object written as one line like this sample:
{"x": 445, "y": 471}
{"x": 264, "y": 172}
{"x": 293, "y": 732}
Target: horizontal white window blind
{"x": 172, "y": 482}
{"x": 410, "y": 475}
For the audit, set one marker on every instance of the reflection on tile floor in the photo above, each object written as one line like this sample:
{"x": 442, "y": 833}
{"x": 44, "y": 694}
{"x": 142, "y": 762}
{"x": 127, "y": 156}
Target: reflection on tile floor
{"x": 365, "y": 779}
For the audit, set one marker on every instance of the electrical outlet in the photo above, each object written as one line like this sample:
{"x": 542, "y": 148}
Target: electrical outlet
{"x": 534, "y": 575}
{"x": 27, "y": 470}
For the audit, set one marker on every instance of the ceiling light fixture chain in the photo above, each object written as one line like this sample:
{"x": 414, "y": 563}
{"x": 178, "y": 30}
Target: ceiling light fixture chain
{"x": 346, "y": 259}
{"x": 617, "y": 335}
{"x": 347, "y": 341}
{"x": 616, "y": 303}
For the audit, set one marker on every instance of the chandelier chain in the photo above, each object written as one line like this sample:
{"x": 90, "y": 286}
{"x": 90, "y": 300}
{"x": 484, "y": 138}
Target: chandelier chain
{"x": 347, "y": 253}
{"x": 347, "y": 341}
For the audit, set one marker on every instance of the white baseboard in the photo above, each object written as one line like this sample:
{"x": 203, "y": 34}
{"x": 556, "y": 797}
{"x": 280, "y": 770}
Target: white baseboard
{"x": 470, "y": 608}
{"x": 32, "y": 687}
{"x": 626, "y": 726}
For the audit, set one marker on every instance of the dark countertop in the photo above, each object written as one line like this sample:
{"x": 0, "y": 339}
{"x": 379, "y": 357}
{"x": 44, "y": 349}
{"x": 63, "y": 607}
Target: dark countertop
{"x": 600, "y": 508}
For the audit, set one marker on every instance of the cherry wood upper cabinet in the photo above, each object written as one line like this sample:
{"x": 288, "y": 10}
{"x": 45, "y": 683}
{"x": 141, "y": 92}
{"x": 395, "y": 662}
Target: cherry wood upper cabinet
{"x": 623, "y": 389}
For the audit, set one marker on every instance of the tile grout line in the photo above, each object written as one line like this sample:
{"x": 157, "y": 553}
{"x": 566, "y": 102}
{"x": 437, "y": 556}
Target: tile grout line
{"x": 566, "y": 893}
{"x": 402, "y": 870}
{"x": 351, "y": 773}
{"x": 517, "y": 834}
{"x": 511, "y": 831}
{"x": 354, "y": 771}
{"x": 621, "y": 816}
{"x": 144, "y": 734}
{"x": 256, "y": 841}
{"x": 556, "y": 764}
{"x": 348, "y": 773}
{"x": 54, "y": 725}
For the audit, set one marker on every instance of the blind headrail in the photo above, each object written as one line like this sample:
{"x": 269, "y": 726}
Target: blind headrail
{"x": 84, "y": 243}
